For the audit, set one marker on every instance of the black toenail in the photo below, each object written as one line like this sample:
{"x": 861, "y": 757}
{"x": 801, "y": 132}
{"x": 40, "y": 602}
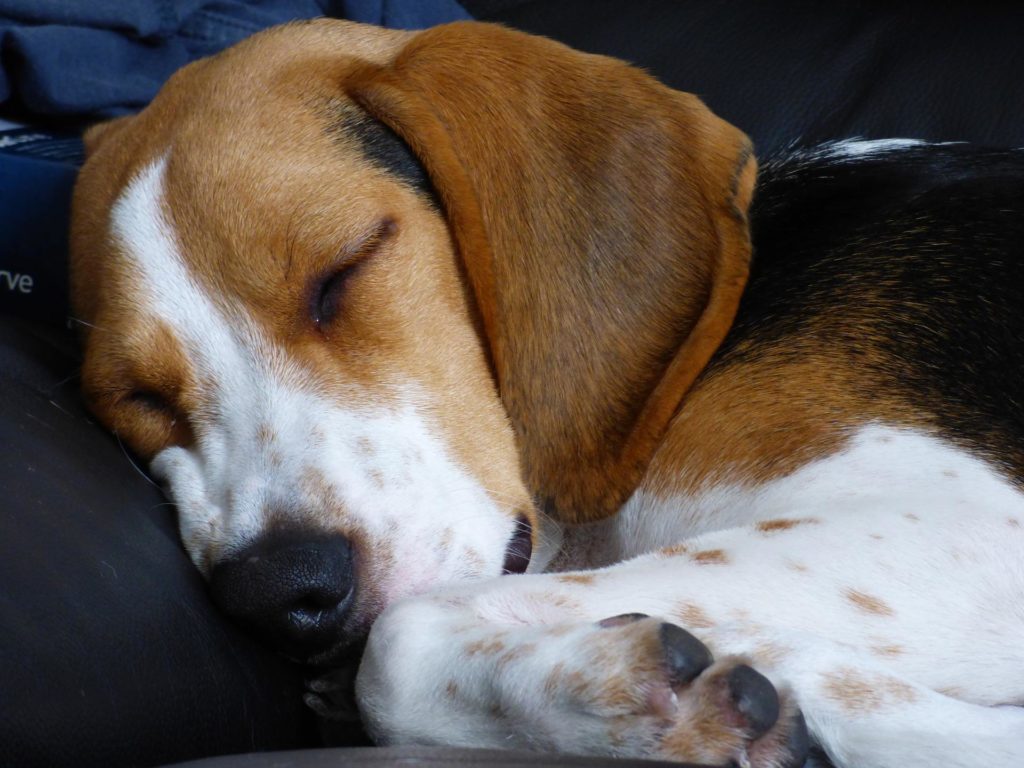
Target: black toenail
{"x": 685, "y": 655}
{"x": 798, "y": 743}
{"x": 755, "y": 698}
{"x": 621, "y": 619}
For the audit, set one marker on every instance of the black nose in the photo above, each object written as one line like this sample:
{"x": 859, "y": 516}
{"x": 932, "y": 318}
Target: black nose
{"x": 294, "y": 588}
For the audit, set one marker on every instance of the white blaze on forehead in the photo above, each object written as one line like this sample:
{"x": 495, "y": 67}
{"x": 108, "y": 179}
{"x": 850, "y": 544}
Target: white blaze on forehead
{"x": 268, "y": 431}
{"x": 165, "y": 288}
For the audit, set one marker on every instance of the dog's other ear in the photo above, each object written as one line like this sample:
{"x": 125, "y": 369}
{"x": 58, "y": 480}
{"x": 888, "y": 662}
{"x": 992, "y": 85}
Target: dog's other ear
{"x": 601, "y": 221}
{"x": 97, "y": 135}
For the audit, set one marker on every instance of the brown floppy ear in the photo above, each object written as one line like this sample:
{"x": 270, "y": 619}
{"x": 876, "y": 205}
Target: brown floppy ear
{"x": 601, "y": 221}
{"x": 98, "y": 134}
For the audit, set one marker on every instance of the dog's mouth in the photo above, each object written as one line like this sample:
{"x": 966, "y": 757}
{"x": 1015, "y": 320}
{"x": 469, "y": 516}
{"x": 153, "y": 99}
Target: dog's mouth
{"x": 520, "y": 547}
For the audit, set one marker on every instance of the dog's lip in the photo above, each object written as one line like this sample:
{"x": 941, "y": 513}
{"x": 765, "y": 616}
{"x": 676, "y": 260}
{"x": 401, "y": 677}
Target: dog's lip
{"x": 519, "y": 548}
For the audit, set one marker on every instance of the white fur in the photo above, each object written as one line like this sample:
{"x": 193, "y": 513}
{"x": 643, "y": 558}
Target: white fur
{"x": 385, "y": 471}
{"x": 862, "y": 147}
{"x": 903, "y": 518}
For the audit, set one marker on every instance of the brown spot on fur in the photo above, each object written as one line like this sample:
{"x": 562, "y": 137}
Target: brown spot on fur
{"x": 692, "y": 615}
{"x": 560, "y": 630}
{"x": 784, "y": 524}
{"x": 852, "y": 692}
{"x": 793, "y": 565}
{"x": 519, "y": 652}
{"x": 1013, "y": 522}
{"x": 876, "y": 536}
{"x": 681, "y": 548}
{"x": 555, "y": 600}
{"x": 576, "y": 684}
{"x": 710, "y": 557}
{"x": 473, "y": 559}
{"x": 451, "y": 690}
{"x": 888, "y": 651}
{"x": 861, "y": 694}
{"x": 486, "y": 646}
{"x": 318, "y": 490}
{"x": 768, "y": 652}
{"x": 265, "y": 434}
{"x": 576, "y": 578}
{"x": 868, "y": 603}
{"x": 364, "y": 447}
{"x": 954, "y": 692}
{"x": 377, "y": 478}
{"x": 553, "y": 681}
{"x": 444, "y": 545}
{"x": 911, "y": 517}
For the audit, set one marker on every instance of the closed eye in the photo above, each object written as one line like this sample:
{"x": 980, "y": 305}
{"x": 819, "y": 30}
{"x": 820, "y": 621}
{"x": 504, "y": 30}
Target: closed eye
{"x": 150, "y": 400}
{"x": 327, "y": 292}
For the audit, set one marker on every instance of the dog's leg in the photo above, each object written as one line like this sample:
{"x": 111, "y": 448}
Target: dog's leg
{"x": 629, "y": 685}
{"x": 866, "y": 715}
{"x": 859, "y": 619}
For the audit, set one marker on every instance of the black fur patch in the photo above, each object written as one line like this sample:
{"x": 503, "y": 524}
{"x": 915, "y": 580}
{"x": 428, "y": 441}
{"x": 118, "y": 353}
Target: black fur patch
{"x": 386, "y": 150}
{"x": 922, "y": 246}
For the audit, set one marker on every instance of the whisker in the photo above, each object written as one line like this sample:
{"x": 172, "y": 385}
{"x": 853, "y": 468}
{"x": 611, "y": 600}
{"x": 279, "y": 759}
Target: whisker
{"x": 80, "y": 321}
{"x": 131, "y": 461}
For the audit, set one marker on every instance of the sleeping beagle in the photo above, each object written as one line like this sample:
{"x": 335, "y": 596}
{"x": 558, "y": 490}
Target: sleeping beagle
{"x": 393, "y": 314}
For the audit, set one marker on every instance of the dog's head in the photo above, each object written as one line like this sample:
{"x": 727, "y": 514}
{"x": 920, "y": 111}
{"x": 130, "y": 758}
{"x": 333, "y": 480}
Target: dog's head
{"x": 364, "y": 298}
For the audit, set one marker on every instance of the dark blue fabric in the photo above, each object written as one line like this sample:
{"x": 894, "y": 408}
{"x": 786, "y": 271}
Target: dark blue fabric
{"x": 399, "y": 14}
{"x": 37, "y": 170}
{"x": 105, "y": 57}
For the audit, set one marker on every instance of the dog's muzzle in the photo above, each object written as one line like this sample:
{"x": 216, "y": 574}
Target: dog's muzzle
{"x": 294, "y": 588}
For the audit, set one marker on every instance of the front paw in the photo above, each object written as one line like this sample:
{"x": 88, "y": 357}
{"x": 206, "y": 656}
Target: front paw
{"x": 629, "y": 686}
{"x": 658, "y": 692}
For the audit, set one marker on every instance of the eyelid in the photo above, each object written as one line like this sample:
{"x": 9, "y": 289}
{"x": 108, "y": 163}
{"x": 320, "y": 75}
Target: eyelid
{"x": 365, "y": 245}
{"x": 345, "y": 264}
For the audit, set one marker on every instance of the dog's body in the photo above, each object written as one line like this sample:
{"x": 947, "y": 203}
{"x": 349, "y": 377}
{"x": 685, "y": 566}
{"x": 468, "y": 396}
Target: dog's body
{"x": 821, "y": 480}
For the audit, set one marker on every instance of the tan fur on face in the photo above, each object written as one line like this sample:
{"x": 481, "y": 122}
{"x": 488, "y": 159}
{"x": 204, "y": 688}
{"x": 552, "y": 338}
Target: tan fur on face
{"x": 262, "y": 207}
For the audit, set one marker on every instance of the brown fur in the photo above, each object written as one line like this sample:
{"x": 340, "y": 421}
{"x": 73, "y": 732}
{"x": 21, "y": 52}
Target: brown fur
{"x": 646, "y": 171}
{"x": 868, "y": 603}
{"x": 774, "y": 526}
{"x": 710, "y": 557}
{"x": 863, "y": 695}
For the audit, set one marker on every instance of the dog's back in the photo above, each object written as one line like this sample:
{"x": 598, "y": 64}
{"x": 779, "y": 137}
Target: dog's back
{"x": 892, "y": 274}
